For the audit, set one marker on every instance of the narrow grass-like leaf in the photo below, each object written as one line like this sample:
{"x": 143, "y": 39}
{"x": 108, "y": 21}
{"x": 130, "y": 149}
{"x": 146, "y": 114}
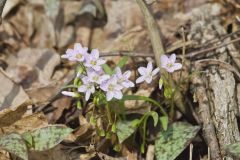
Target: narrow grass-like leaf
{"x": 107, "y": 69}
{"x": 47, "y": 137}
{"x": 172, "y": 142}
{"x": 122, "y": 62}
{"x": 14, "y": 144}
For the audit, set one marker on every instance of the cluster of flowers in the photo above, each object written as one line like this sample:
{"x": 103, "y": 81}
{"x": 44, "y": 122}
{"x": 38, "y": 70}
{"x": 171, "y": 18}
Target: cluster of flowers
{"x": 93, "y": 77}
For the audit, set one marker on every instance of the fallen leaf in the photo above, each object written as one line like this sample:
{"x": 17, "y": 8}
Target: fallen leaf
{"x": 14, "y": 143}
{"x": 47, "y": 137}
{"x": 11, "y": 115}
{"x": 27, "y": 123}
{"x": 11, "y": 94}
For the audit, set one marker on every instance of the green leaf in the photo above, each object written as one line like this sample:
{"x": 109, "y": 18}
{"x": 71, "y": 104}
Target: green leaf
{"x": 122, "y": 62}
{"x": 155, "y": 117}
{"x": 164, "y": 122}
{"x": 14, "y": 144}
{"x": 107, "y": 69}
{"x": 48, "y": 137}
{"x": 124, "y": 130}
{"x": 233, "y": 149}
{"x": 172, "y": 142}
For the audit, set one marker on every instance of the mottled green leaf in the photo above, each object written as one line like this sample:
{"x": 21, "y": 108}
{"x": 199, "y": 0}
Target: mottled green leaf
{"x": 14, "y": 144}
{"x": 233, "y": 149}
{"x": 164, "y": 122}
{"x": 124, "y": 130}
{"x": 47, "y": 137}
{"x": 172, "y": 142}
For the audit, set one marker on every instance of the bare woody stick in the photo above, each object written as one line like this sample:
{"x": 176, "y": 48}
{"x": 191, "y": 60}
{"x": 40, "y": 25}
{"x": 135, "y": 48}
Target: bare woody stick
{"x": 2, "y": 4}
{"x": 153, "y": 31}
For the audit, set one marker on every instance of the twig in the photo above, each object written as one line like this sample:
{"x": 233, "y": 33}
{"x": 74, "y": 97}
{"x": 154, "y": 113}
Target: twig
{"x": 153, "y": 31}
{"x": 2, "y": 4}
{"x": 193, "y": 54}
{"x": 189, "y": 55}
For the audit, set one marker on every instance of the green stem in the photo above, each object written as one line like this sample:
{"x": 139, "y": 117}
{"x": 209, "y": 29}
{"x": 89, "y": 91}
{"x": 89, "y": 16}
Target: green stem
{"x": 109, "y": 113}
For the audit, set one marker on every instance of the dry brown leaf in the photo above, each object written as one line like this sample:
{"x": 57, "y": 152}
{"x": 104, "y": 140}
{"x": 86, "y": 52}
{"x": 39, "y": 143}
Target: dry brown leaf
{"x": 10, "y": 115}
{"x": 11, "y": 94}
{"x": 55, "y": 153}
{"x": 4, "y": 155}
{"x": 33, "y": 67}
{"x": 27, "y": 123}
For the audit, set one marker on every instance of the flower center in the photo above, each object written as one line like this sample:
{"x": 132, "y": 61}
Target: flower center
{"x": 93, "y": 63}
{"x": 95, "y": 78}
{"x": 79, "y": 56}
{"x": 111, "y": 87}
{"x": 89, "y": 86}
{"x": 169, "y": 65}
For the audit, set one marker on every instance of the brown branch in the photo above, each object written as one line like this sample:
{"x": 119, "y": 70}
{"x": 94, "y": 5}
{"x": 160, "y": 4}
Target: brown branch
{"x": 153, "y": 31}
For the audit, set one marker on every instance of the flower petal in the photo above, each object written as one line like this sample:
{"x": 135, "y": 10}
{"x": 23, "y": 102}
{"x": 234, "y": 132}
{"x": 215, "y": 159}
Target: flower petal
{"x": 177, "y": 66}
{"x": 118, "y": 94}
{"x": 78, "y": 46}
{"x": 155, "y": 71}
{"x": 95, "y": 53}
{"x": 148, "y": 80}
{"x": 70, "y": 94}
{"x": 140, "y": 79}
{"x": 142, "y": 70}
{"x": 87, "y": 95}
{"x": 100, "y": 62}
{"x": 118, "y": 72}
{"x": 172, "y": 58}
{"x": 164, "y": 60}
{"x": 127, "y": 74}
{"x": 82, "y": 88}
{"x": 170, "y": 70}
{"x": 149, "y": 67}
{"x": 109, "y": 96}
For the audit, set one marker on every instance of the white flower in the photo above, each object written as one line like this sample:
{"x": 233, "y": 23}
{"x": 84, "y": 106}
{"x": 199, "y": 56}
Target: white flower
{"x": 76, "y": 54}
{"x": 112, "y": 88}
{"x": 123, "y": 79}
{"x": 169, "y": 63}
{"x": 147, "y": 73}
{"x": 93, "y": 60}
{"x": 87, "y": 87}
